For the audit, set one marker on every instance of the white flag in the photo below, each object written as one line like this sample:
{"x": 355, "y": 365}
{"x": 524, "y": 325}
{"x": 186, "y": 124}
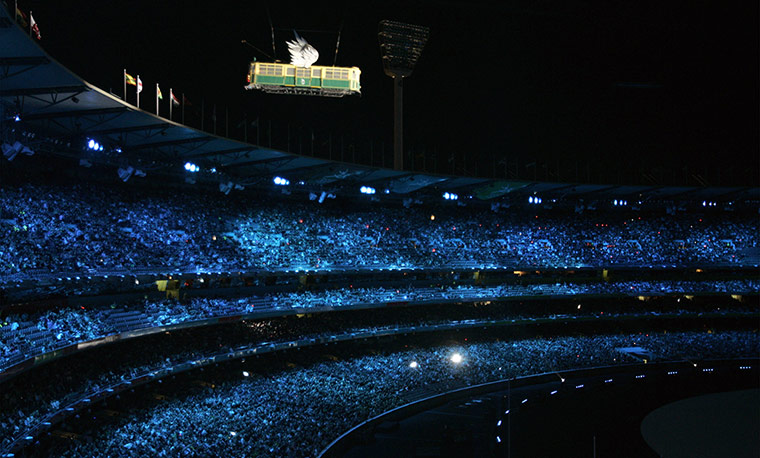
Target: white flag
{"x": 34, "y": 27}
{"x": 139, "y": 84}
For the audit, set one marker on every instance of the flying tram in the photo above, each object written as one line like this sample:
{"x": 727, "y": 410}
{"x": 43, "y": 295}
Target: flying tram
{"x": 301, "y": 77}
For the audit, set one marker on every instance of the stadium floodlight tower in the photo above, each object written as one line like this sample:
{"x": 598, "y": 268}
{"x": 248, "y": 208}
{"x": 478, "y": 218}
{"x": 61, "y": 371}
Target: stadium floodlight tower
{"x": 401, "y": 45}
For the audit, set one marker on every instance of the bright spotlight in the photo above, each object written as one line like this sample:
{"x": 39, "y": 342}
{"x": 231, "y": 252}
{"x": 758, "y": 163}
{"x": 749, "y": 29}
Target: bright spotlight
{"x": 413, "y": 365}
{"x": 17, "y": 118}
{"x": 456, "y": 358}
{"x": 246, "y": 374}
{"x": 530, "y": 199}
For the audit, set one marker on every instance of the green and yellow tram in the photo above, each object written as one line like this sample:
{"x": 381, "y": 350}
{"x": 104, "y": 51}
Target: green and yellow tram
{"x": 279, "y": 78}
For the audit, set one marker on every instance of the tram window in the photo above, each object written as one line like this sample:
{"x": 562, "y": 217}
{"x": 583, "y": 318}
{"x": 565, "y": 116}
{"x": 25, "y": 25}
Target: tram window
{"x": 315, "y": 73}
{"x": 270, "y": 70}
{"x": 290, "y": 71}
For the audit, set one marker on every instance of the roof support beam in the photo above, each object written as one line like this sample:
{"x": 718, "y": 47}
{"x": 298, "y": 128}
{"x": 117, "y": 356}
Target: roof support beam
{"x": 119, "y": 130}
{"x": 260, "y": 161}
{"x": 223, "y": 152}
{"x": 74, "y": 113}
{"x": 181, "y": 141}
{"x": 42, "y": 90}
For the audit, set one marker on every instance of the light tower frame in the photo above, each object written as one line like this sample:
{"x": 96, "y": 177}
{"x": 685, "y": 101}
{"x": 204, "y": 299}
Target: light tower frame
{"x": 401, "y": 46}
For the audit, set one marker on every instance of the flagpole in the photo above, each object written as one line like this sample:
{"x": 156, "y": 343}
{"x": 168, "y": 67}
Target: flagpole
{"x": 30, "y": 23}
{"x": 15, "y": 11}
{"x": 125, "y": 85}
{"x": 171, "y": 102}
{"x": 157, "y": 89}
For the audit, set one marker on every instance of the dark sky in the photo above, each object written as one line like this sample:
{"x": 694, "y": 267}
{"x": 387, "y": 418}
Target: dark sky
{"x": 620, "y": 85}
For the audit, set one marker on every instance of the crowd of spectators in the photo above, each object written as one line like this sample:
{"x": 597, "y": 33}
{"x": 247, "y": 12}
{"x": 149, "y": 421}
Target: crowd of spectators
{"x": 27, "y": 398}
{"x": 86, "y": 228}
{"x": 92, "y": 229}
{"x": 298, "y": 411}
{"x": 28, "y": 335}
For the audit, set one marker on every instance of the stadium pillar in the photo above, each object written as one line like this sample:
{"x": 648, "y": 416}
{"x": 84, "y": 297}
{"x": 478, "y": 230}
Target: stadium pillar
{"x": 398, "y": 122}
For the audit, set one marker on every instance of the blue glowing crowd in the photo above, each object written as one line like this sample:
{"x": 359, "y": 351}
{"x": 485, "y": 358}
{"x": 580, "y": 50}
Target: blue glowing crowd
{"x": 298, "y": 410}
{"x": 28, "y": 335}
{"x": 87, "y": 228}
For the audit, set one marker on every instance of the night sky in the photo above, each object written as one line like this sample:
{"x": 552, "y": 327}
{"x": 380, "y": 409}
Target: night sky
{"x": 619, "y": 85}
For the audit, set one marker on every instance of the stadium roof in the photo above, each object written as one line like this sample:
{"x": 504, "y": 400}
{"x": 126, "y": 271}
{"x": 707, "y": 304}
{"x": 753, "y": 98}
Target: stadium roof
{"x": 52, "y": 100}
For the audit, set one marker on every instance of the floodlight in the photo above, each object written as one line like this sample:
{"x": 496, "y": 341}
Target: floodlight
{"x": 401, "y": 45}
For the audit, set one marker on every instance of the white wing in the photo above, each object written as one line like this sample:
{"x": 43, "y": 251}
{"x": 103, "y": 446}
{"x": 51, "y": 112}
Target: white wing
{"x": 302, "y": 54}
